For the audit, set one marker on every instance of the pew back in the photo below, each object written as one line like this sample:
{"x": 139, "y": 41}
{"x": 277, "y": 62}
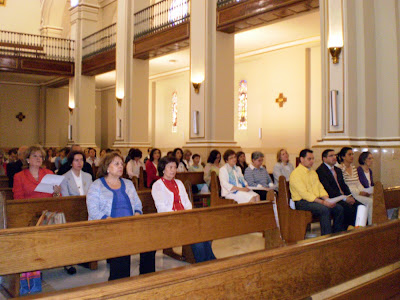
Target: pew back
{"x": 59, "y": 245}
{"x": 293, "y": 272}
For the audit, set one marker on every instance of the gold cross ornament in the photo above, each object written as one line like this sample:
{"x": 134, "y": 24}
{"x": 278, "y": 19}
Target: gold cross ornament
{"x": 281, "y": 100}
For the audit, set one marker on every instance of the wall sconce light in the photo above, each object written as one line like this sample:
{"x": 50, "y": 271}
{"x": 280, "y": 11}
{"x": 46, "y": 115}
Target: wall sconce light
{"x": 196, "y": 86}
{"x": 119, "y": 100}
{"x": 71, "y": 110}
{"x": 335, "y": 52}
{"x": 71, "y": 107}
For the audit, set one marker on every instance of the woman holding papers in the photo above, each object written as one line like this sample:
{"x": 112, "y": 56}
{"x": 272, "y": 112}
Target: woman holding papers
{"x": 76, "y": 181}
{"x": 233, "y": 185}
{"x": 26, "y": 181}
{"x": 350, "y": 175}
{"x": 257, "y": 176}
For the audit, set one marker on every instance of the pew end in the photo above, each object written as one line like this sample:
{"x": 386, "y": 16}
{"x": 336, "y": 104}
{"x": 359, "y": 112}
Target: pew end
{"x": 215, "y": 188}
{"x": 293, "y": 223}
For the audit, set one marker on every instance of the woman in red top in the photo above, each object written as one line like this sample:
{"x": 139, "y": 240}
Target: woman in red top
{"x": 151, "y": 166}
{"x": 26, "y": 181}
{"x": 169, "y": 195}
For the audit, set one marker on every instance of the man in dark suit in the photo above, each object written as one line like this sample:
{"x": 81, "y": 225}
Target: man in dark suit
{"x": 331, "y": 178}
{"x": 16, "y": 166}
{"x": 86, "y": 166}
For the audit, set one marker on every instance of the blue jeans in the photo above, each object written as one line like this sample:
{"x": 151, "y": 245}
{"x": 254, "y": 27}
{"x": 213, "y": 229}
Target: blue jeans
{"x": 324, "y": 213}
{"x": 202, "y": 251}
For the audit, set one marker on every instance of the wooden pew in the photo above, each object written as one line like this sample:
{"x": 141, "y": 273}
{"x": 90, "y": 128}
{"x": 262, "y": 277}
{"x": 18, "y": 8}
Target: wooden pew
{"x": 71, "y": 243}
{"x": 8, "y": 193}
{"x": 142, "y": 180}
{"x": 294, "y": 272}
{"x": 3, "y": 182}
{"x": 384, "y": 199}
{"x": 25, "y": 212}
{"x": 292, "y": 223}
{"x": 194, "y": 178}
{"x": 215, "y": 189}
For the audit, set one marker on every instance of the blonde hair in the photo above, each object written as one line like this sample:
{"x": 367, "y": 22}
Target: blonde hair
{"x": 278, "y": 154}
{"x": 28, "y": 153}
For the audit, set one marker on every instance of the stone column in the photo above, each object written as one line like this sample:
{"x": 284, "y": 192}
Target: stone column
{"x": 132, "y": 81}
{"x": 211, "y": 64}
{"x": 82, "y": 88}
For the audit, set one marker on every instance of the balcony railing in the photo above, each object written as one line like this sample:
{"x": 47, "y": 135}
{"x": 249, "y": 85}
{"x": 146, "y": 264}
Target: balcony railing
{"x": 100, "y": 41}
{"x": 160, "y": 16}
{"x": 221, "y": 3}
{"x": 36, "y": 46}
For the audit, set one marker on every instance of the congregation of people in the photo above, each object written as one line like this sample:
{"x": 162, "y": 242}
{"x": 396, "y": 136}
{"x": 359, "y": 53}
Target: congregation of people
{"x": 110, "y": 192}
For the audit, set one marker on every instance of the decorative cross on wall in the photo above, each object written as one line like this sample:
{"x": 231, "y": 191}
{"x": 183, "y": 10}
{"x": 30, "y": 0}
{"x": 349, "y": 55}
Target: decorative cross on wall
{"x": 20, "y": 116}
{"x": 281, "y": 100}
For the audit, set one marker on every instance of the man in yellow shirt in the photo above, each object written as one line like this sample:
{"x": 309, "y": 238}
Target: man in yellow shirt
{"x": 309, "y": 194}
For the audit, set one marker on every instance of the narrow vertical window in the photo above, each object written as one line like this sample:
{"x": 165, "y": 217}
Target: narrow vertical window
{"x": 242, "y": 105}
{"x": 174, "y": 111}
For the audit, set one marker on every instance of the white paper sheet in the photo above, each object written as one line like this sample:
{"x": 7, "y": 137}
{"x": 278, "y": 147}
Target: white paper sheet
{"x": 336, "y": 199}
{"x": 369, "y": 190}
{"x": 48, "y": 182}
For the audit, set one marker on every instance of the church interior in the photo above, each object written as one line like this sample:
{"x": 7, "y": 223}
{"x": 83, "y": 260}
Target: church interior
{"x": 202, "y": 75}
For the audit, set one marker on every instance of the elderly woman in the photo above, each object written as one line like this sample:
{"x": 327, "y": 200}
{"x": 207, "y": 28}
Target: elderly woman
{"x": 178, "y": 154}
{"x": 233, "y": 185}
{"x": 151, "y": 166}
{"x": 111, "y": 196}
{"x": 169, "y": 194}
{"x": 283, "y": 167}
{"x": 134, "y": 164}
{"x": 26, "y": 181}
{"x": 257, "y": 176}
{"x": 350, "y": 175}
{"x": 76, "y": 181}
{"x": 213, "y": 164}
{"x": 364, "y": 170}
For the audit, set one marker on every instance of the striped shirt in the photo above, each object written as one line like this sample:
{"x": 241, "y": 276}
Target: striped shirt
{"x": 351, "y": 179}
{"x": 257, "y": 177}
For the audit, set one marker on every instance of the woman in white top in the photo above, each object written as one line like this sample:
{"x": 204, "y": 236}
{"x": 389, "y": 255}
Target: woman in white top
{"x": 93, "y": 159}
{"x": 350, "y": 175}
{"x": 283, "y": 167}
{"x": 133, "y": 166}
{"x": 76, "y": 181}
{"x": 178, "y": 154}
{"x": 233, "y": 185}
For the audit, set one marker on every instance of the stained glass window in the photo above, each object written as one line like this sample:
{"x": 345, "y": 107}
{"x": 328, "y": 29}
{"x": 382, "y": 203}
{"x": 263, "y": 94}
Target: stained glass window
{"x": 242, "y": 105}
{"x": 174, "y": 111}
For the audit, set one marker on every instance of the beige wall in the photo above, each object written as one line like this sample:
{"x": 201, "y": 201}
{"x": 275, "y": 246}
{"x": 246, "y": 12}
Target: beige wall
{"x": 21, "y": 16}
{"x": 15, "y": 99}
{"x": 164, "y": 137}
{"x": 57, "y": 115}
{"x": 295, "y": 72}
{"x": 107, "y": 112}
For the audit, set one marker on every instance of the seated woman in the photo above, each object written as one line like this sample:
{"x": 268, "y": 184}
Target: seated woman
{"x": 350, "y": 175}
{"x": 213, "y": 164}
{"x": 134, "y": 164}
{"x": 233, "y": 185}
{"x": 26, "y": 181}
{"x": 257, "y": 176}
{"x": 111, "y": 196}
{"x": 178, "y": 154}
{"x": 76, "y": 181}
{"x": 93, "y": 159}
{"x": 283, "y": 167}
{"x": 187, "y": 155}
{"x": 169, "y": 194}
{"x": 151, "y": 166}
{"x": 241, "y": 161}
{"x": 364, "y": 170}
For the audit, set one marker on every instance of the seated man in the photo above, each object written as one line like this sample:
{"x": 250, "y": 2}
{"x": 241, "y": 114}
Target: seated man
{"x": 331, "y": 178}
{"x": 309, "y": 194}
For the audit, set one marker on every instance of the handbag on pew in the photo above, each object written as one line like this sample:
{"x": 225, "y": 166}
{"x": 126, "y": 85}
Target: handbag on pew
{"x": 31, "y": 282}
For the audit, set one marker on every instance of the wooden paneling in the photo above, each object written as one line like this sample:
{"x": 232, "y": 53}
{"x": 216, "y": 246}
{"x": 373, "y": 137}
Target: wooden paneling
{"x": 99, "y": 63}
{"x": 59, "y": 245}
{"x": 36, "y": 66}
{"x": 165, "y": 41}
{"x": 247, "y": 14}
{"x": 293, "y": 272}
